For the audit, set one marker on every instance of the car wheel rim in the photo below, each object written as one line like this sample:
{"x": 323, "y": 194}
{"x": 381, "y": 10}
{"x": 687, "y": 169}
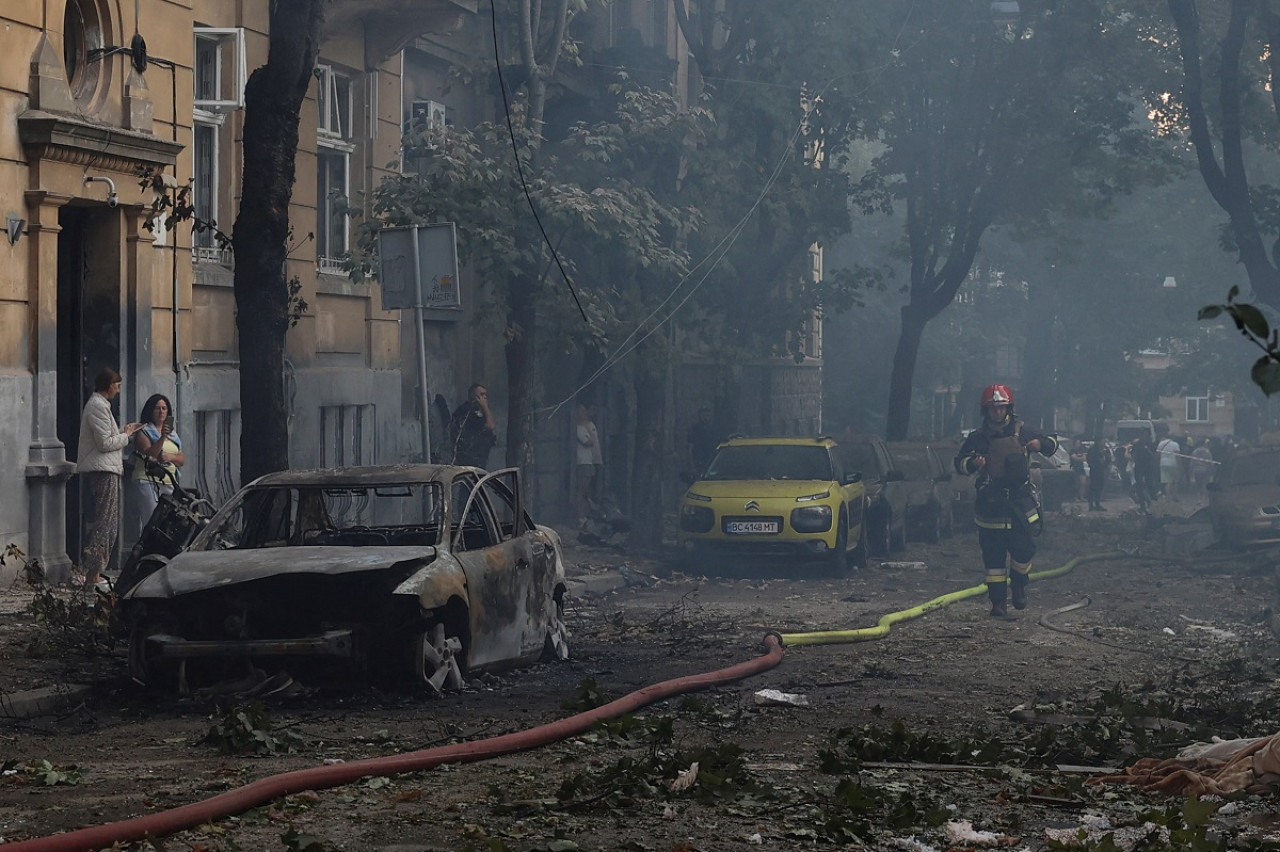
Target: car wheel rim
{"x": 436, "y": 653}
{"x": 558, "y": 634}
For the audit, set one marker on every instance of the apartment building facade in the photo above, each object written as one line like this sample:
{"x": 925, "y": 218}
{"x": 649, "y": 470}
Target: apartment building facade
{"x": 95, "y": 92}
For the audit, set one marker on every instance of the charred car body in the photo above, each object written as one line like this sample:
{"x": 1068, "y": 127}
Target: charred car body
{"x": 423, "y": 571}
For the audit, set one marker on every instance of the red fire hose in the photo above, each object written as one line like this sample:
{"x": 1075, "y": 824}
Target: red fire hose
{"x": 322, "y": 777}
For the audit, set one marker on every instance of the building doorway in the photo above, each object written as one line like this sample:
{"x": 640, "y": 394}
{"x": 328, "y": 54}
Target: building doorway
{"x": 89, "y": 313}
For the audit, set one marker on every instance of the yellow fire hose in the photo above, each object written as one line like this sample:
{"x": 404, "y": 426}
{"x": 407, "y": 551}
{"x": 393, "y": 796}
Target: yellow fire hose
{"x": 866, "y": 634}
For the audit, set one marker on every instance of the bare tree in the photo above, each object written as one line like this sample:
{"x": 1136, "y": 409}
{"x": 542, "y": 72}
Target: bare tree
{"x": 1221, "y": 154}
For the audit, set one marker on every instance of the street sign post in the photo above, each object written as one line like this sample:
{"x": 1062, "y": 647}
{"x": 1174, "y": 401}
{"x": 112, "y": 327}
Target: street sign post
{"x": 418, "y": 268}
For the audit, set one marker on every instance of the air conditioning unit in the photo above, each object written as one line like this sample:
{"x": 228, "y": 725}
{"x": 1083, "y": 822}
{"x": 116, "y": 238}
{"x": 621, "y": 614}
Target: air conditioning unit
{"x": 433, "y": 112}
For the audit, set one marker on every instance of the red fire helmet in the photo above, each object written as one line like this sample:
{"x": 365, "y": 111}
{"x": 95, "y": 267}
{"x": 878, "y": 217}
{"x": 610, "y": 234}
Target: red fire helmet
{"x": 997, "y": 395}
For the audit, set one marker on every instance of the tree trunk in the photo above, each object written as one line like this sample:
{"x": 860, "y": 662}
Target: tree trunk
{"x": 651, "y": 411}
{"x": 902, "y": 378}
{"x": 1037, "y": 396}
{"x": 1227, "y": 180}
{"x": 520, "y": 348}
{"x": 273, "y": 101}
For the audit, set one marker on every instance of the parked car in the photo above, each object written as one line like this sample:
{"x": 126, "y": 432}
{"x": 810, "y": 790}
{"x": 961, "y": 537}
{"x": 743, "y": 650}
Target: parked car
{"x": 776, "y": 497}
{"x": 426, "y": 571}
{"x": 886, "y": 491}
{"x": 1244, "y": 497}
{"x": 962, "y": 490}
{"x": 928, "y": 484}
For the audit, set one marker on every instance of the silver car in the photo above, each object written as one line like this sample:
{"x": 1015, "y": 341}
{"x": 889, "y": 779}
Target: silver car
{"x": 421, "y": 571}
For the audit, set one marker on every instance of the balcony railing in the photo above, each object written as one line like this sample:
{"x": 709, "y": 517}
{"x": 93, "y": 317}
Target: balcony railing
{"x": 212, "y": 254}
{"x": 331, "y": 266}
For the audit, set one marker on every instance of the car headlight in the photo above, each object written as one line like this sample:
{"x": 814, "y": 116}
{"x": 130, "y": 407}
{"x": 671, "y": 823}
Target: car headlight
{"x": 690, "y": 495}
{"x": 697, "y": 519}
{"x": 811, "y": 519}
{"x": 809, "y": 498}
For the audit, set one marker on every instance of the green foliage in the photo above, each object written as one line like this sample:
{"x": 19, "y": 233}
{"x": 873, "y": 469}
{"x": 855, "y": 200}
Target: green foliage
{"x": 172, "y": 203}
{"x": 589, "y": 697}
{"x": 651, "y": 764}
{"x": 248, "y": 729}
{"x": 1252, "y": 324}
{"x": 613, "y": 235}
{"x": 72, "y": 623}
{"x": 30, "y": 569}
{"x": 45, "y": 774}
{"x": 1114, "y": 730}
{"x": 1184, "y": 825}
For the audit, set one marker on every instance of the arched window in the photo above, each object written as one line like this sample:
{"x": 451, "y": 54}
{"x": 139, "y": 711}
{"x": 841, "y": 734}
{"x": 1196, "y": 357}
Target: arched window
{"x": 82, "y": 41}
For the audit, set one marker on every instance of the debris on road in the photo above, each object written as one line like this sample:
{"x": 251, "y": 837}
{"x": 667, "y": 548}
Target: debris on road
{"x": 773, "y": 696}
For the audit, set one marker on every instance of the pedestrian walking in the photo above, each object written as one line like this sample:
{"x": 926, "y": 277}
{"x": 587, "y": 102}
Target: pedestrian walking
{"x": 1201, "y": 467}
{"x": 1168, "y": 449}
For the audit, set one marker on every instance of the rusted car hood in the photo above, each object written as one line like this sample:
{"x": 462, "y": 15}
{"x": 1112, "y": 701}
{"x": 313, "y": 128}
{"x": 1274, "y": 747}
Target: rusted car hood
{"x": 198, "y": 571}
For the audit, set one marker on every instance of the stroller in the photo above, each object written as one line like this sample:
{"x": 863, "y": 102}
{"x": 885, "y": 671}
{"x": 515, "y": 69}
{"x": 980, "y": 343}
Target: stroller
{"x": 177, "y": 518}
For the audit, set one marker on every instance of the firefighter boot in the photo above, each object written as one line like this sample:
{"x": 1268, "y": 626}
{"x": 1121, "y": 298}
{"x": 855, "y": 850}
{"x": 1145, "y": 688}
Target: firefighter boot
{"x": 996, "y": 592}
{"x": 1018, "y": 580}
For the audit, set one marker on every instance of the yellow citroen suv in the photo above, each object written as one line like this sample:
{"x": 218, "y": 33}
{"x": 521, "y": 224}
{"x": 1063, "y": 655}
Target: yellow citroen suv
{"x": 776, "y": 497}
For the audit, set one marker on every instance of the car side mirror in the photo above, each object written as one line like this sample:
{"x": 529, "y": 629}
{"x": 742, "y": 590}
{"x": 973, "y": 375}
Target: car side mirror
{"x": 895, "y": 476}
{"x": 851, "y": 478}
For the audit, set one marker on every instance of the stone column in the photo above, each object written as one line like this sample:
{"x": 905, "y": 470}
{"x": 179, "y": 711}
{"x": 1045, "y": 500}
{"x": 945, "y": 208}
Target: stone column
{"x": 47, "y": 468}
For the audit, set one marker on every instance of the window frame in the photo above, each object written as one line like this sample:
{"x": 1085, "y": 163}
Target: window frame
{"x": 330, "y": 102}
{"x": 335, "y": 117}
{"x": 221, "y": 37}
{"x": 1202, "y": 406}
{"x": 204, "y": 246}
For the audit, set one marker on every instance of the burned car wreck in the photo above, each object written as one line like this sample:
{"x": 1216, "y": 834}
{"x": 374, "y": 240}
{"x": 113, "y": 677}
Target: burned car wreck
{"x": 409, "y": 571}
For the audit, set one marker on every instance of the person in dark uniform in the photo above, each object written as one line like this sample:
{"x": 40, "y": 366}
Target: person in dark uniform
{"x": 1099, "y": 458}
{"x": 471, "y": 430}
{"x": 1005, "y": 508}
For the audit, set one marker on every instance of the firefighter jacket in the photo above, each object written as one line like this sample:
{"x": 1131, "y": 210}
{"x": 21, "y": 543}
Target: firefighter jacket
{"x": 1005, "y": 497}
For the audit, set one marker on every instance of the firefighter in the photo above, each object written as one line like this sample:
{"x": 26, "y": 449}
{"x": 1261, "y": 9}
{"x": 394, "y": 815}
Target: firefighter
{"x": 1005, "y": 507}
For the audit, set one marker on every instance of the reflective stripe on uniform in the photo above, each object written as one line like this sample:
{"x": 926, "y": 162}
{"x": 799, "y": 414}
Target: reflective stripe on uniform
{"x": 993, "y": 525}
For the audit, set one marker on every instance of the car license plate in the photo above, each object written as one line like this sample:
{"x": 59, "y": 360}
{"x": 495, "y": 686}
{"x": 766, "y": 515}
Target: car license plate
{"x": 764, "y": 526}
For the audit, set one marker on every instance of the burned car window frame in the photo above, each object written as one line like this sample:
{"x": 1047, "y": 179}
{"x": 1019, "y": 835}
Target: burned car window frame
{"x": 289, "y": 515}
